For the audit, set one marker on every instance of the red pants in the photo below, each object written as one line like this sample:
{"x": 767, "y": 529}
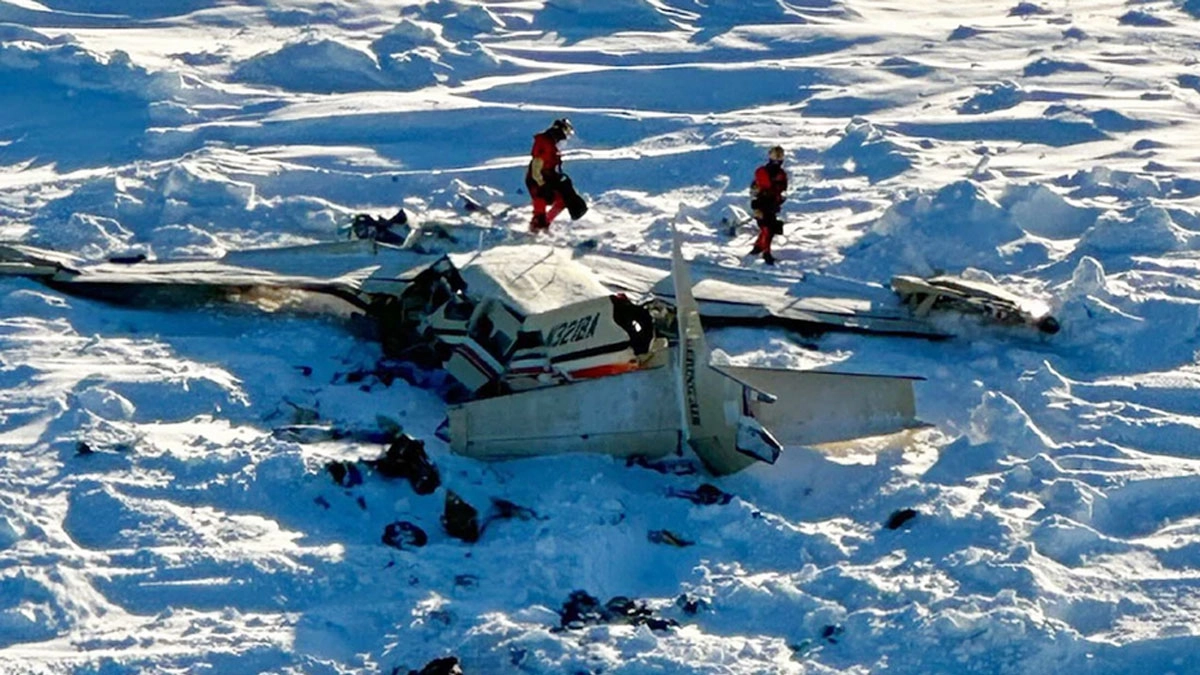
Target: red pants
{"x": 541, "y": 217}
{"x": 765, "y": 235}
{"x": 768, "y": 227}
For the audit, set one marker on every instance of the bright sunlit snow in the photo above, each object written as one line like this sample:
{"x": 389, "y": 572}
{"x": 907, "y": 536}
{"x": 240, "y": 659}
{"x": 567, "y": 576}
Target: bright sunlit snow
{"x": 1051, "y": 147}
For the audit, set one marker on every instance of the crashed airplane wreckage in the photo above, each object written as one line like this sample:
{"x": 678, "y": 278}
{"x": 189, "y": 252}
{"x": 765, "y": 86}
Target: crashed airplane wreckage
{"x": 969, "y": 296}
{"x": 528, "y": 328}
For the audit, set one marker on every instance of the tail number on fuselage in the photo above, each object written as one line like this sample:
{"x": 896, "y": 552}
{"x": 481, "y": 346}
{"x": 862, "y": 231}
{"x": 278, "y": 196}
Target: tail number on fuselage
{"x": 572, "y": 331}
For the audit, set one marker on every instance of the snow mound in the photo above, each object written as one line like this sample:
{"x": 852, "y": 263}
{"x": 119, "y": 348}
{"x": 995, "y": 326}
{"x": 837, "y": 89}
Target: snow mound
{"x": 1039, "y": 210}
{"x": 414, "y": 69}
{"x": 115, "y": 197}
{"x": 1045, "y": 67}
{"x": 9, "y": 534}
{"x": 27, "y": 302}
{"x": 10, "y": 32}
{"x": 905, "y": 67}
{"x": 184, "y": 241}
{"x": 1102, "y": 181}
{"x": 998, "y": 418}
{"x": 1136, "y": 17}
{"x": 865, "y": 150}
{"x": 714, "y": 16}
{"x": 63, "y": 104}
{"x": 194, "y": 185}
{"x": 579, "y": 19}
{"x": 1088, "y": 278}
{"x": 99, "y": 517}
{"x": 459, "y": 20}
{"x": 190, "y": 200}
{"x": 89, "y": 236}
{"x": 1028, "y": 9}
{"x": 29, "y": 611}
{"x": 993, "y": 97}
{"x": 1150, "y": 231}
{"x": 104, "y": 403}
{"x": 963, "y": 33}
{"x": 406, "y": 35}
{"x": 43, "y": 64}
{"x": 414, "y": 55}
{"x": 314, "y": 64}
{"x": 959, "y": 225}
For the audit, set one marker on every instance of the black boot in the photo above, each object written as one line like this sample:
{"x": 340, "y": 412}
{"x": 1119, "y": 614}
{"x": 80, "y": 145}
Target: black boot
{"x": 768, "y": 258}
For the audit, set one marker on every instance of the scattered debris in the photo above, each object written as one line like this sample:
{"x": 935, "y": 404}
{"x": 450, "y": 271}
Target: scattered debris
{"x": 899, "y": 518}
{"x": 690, "y": 604}
{"x": 443, "y": 431}
{"x": 318, "y": 433}
{"x": 389, "y": 426}
{"x": 306, "y": 433}
{"x": 302, "y": 415}
{"x": 383, "y": 230}
{"x": 803, "y": 649}
{"x": 345, "y": 474}
{"x": 582, "y": 609}
{"x": 387, "y": 371}
{"x": 460, "y": 519}
{"x": 83, "y": 448}
{"x": 502, "y": 509}
{"x": 705, "y": 495}
{"x": 403, "y": 534}
{"x": 447, "y": 665}
{"x": 832, "y": 632}
{"x": 672, "y": 467}
{"x": 406, "y": 458}
{"x": 621, "y": 609}
{"x": 669, "y": 538}
{"x": 471, "y": 205}
{"x": 132, "y": 259}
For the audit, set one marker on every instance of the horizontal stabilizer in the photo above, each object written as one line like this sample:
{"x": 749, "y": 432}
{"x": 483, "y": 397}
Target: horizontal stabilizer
{"x": 823, "y": 407}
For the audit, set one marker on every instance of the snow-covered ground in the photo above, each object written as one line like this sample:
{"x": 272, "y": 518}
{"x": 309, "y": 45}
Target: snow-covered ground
{"x": 1052, "y": 146}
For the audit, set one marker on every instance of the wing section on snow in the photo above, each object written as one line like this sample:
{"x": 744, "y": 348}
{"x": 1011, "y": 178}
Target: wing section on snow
{"x": 733, "y": 296}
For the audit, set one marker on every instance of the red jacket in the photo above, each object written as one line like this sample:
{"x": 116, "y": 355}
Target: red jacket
{"x": 545, "y": 149}
{"x": 770, "y": 182}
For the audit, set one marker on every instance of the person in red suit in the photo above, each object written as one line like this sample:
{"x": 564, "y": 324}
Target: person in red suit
{"x": 544, "y": 177}
{"x": 767, "y": 193}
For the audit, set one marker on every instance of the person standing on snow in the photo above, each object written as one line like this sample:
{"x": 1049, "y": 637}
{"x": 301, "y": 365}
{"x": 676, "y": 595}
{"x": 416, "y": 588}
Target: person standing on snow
{"x": 767, "y": 194}
{"x": 544, "y": 177}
